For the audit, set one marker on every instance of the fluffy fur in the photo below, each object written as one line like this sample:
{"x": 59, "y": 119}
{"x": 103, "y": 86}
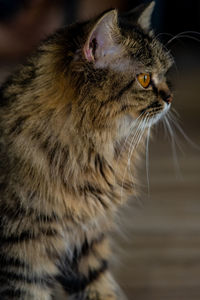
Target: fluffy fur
{"x": 66, "y": 119}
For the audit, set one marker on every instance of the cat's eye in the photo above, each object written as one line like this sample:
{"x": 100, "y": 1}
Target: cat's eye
{"x": 144, "y": 79}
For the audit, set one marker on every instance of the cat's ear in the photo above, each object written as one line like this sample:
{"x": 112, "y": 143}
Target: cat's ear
{"x": 144, "y": 19}
{"x": 100, "y": 41}
{"x": 141, "y": 15}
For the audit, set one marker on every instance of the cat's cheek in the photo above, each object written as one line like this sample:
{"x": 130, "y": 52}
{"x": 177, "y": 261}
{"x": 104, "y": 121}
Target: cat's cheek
{"x": 135, "y": 114}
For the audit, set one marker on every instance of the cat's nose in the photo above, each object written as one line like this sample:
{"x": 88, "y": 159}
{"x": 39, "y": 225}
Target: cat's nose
{"x": 165, "y": 94}
{"x": 169, "y": 99}
{"x": 166, "y": 97}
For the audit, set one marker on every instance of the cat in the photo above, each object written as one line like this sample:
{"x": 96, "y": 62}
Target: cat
{"x": 73, "y": 124}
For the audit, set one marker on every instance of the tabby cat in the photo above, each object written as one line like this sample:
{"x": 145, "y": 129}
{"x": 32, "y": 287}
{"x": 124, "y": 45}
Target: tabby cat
{"x": 73, "y": 122}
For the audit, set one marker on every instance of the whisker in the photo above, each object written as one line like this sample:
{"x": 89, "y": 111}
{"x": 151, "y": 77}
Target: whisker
{"x": 128, "y": 156}
{"x": 137, "y": 141}
{"x": 147, "y": 158}
{"x": 163, "y": 33}
{"x": 184, "y": 34}
{"x": 166, "y": 133}
{"x": 178, "y": 126}
{"x": 134, "y": 124}
{"x": 138, "y": 137}
{"x": 173, "y": 144}
{"x": 176, "y": 138}
{"x": 175, "y": 113}
{"x": 127, "y": 140}
{"x": 135, "y": 138}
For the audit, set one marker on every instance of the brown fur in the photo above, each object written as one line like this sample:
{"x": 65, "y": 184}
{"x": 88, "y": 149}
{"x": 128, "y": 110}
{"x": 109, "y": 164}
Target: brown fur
{"x": 63, "y": 169}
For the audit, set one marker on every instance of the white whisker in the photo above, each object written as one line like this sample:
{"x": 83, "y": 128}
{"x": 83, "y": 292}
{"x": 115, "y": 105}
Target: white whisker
{"x": 184, "y": 34}
{"x": 138, "y": 137}
{"x": 133, "y": 125}
{"x": 147, "y": 157}
{"x": 173, "y": 144}
{"x": 135, "y": 139}
{"x": 163, "y": 33}
{"x": 175, "y": 122}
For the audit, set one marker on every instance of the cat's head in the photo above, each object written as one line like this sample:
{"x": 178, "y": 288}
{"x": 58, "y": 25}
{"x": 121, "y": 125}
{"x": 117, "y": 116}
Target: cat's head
{"x": 118, "y": 69}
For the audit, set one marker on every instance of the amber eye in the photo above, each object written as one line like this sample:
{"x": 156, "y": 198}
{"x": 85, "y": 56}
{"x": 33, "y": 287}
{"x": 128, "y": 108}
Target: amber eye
{"x": 144, "y": 79}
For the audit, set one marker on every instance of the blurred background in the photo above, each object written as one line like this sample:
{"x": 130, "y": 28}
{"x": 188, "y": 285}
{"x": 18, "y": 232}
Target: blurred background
{"x": 160, "y": 249}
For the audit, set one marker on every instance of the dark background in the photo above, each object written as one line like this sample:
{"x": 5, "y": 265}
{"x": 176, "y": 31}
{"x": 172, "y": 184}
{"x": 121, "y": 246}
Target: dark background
{"x": 31, "y": 20}
{"x": 159, "y": 251}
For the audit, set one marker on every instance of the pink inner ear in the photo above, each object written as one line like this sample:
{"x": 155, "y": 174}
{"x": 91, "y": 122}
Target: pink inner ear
{"x": 88, "y": 50}
{"x": 88, "y": 53}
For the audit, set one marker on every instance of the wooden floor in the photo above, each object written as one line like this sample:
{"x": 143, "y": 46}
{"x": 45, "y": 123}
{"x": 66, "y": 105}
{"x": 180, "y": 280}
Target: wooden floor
{"x": 160, "y": 253}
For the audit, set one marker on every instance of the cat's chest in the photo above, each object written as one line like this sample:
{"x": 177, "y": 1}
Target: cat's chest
{"x": 78, "y": 238}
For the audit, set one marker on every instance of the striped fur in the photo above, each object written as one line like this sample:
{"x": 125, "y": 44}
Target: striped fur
{"x": 63, "y": 166}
